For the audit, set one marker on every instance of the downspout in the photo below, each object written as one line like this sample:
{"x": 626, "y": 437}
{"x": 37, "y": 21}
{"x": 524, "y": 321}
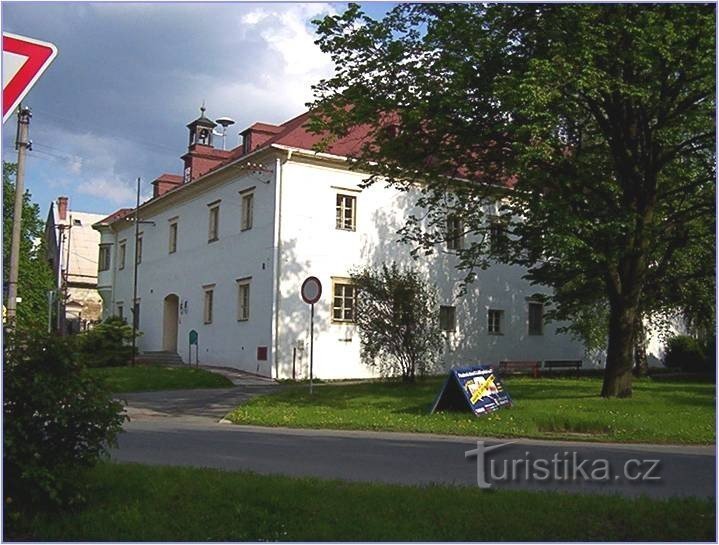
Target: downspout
{"x": 276, "y": 263}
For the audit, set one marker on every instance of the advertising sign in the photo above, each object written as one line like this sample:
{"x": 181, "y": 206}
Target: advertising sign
{"x": 476, "y": 388}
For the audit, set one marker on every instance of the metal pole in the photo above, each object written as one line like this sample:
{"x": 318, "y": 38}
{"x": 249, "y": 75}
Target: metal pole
{"x": 22, "y": 144}
{"x": 134, "y": 283}
{"x": 50, "y": 295}
{"x": 312, "y": 343}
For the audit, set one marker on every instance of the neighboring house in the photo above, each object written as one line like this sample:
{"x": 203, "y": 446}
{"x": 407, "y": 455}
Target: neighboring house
{"x": 224, "y": 249}
{"x": 72, "y": 249}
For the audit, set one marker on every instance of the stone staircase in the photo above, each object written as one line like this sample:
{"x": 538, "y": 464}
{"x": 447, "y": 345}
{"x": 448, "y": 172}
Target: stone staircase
{"x": 159, "y": 357}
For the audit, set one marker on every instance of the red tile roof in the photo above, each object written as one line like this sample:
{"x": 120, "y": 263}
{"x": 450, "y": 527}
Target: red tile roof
{"x": 118, "y": 214}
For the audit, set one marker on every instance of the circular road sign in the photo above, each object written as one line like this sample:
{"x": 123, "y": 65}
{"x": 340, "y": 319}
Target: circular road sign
{"x": 311, "y": 290}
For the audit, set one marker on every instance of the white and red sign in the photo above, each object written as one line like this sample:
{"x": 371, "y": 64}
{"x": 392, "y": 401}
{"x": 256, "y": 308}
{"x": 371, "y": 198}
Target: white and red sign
{"x": 23, "y": 62}
{"x": 311, "y": 290}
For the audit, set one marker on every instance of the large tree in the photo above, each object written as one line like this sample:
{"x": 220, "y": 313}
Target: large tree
{"x": 592, "y": 126}
{"x": 35, "y": 276}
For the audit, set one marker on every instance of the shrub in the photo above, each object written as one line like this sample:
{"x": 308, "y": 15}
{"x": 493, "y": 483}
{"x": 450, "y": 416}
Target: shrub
{"x": 685, "y": 353}
{"x": 106, "y": 345}
{"x": 58, "y": 420}
{"x": 397, "y": 316}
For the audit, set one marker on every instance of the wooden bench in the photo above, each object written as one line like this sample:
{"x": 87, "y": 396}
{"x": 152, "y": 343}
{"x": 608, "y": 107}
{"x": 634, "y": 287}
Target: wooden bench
{"x": 563, "y": 364}
{"x": 518, "y": 366}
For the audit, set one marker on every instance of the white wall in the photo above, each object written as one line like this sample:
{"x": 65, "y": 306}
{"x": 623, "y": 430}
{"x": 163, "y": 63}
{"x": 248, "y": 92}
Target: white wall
{"x": 197, "y": 263}
{"x": 311, "y": 245}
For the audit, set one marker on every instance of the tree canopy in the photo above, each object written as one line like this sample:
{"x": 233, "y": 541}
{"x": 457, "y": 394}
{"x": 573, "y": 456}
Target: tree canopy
{"x": 35, "y": 276}
{"x": 583, "y": 132}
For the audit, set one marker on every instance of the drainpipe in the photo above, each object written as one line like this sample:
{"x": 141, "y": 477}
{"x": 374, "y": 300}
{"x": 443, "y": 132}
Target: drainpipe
{"x": 276, "y": 264}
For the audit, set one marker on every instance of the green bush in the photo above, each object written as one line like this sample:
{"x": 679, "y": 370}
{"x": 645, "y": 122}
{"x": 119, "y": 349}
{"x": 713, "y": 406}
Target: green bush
{"x": 685, "y": 353}
{"x": 58, "y": 420}
{"x": 106, "y": 345}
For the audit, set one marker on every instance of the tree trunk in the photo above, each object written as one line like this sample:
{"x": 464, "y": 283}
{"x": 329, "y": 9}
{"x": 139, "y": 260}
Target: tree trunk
{"x": 641, "y": 363}
{"x": 620, "y": 360}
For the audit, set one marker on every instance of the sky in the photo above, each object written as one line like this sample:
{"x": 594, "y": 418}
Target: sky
{"x": 128, "y": 77}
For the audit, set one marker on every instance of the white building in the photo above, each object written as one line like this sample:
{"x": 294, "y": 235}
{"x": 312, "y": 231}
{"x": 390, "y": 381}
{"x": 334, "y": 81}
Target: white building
{"x": 224, "y": 250}
{"x": 72, "y": 249}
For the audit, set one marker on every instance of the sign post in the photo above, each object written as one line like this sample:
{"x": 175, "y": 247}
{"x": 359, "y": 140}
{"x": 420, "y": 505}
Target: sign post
{"x": 193, "y": 340}
{"x": 311, "y": 292}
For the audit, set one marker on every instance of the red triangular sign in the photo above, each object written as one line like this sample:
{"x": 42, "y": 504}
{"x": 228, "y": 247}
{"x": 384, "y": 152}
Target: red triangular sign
{"x": 24, "y": 60}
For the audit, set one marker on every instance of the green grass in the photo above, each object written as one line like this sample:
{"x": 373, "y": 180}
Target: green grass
{"x": 129, "y": 502}
{"x": 144, "y": 378}
{"x": 659, "y": 411}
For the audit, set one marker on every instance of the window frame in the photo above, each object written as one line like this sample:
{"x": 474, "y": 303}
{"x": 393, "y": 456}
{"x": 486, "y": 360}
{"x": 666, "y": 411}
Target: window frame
{"x": 104, "y": 258}
{"x": 455, "y": 233}
{"x": 538, "y": 330}
{"x": 122, "y": 254}
{"x": 247, "y": 211}
{"x": 213, "y": 228}
{"x": 243, "y": 284}
{"x": 498, "y": 327}
{"x": 208, "y": 306}
{"x": 452, "y": 317}
{"x": 340, "y": 211}
{"x": 138, "y": 250}
{"x": 172, "y": 237}
{"x": 345, "y": 283}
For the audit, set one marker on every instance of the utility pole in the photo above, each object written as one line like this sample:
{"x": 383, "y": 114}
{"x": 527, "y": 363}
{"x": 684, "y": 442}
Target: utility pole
{"x": 22, "y": 145}
{"x": 134, "y": 283}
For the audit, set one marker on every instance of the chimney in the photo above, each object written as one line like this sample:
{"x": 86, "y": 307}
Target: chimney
{"x": 165, "y": 183}
{"x": 62, "y": 208}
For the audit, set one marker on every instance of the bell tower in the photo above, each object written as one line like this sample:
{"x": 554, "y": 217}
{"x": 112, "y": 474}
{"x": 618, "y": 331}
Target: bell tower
{"x": 200, "y": 152}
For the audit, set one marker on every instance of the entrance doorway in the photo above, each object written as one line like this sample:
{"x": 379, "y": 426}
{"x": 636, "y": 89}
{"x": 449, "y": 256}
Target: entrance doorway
{"x": 169, "y": 324}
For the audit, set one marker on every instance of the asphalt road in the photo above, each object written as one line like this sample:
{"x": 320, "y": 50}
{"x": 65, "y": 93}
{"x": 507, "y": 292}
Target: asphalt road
{"x": 196, "y": 440}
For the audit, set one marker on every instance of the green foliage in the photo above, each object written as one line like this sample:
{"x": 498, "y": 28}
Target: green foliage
{"x": 106, "y": 345}
{"x": 397, "y": 316}
{"x": 686, "y": 353}
{"x": 35, "y": 277}
{"x": 599, "y": 117}
{"x": 661, "y": 411}
{"x": 146, "y": 378}
{"x": 57, "y": 421}
{"x": 141, "y": 503}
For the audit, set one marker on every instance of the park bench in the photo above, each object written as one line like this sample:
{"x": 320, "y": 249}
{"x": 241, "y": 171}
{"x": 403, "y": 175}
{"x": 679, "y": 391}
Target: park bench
{"x": 563, "y": 364}
{"x": 506, "y": 367}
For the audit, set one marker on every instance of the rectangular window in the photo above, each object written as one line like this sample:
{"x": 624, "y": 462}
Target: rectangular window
{"x": 173, "y": 238}
{"x": 209, "y": 296}
{"x": 346, "y": 212}
{"x": 536, "y": 318}
{"x": 494, "y": 321}
{"x": 139, "y": 250}
{"x": 248, "y": 201}
{"x": 103, "y": 260}
{"x": 498, "y": 241}
{"x": 243, "y": 300}
{"x": 343, "y": 303}
{"x": 455, "y": 235}
{"x": 136, "y": 315}
{"x": 447, "y": 318}
{"x": 121, "y": 257}
{"x": 120, "y": 311}
{"x": 214, "y": 233}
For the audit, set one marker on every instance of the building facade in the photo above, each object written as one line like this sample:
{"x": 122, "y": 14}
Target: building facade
{"x": 224, "y": 249}
{"x": 72, "y": 250}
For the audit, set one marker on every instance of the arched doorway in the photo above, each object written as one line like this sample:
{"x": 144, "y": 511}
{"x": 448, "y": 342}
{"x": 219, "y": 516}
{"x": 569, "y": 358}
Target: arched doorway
{"x": 170, "y": 319}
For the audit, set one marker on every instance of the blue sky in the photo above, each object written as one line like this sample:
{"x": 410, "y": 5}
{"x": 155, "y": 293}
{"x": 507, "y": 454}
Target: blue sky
{"x": 129, "y": 76}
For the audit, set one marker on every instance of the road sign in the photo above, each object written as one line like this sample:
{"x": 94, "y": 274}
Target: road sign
{"x": 311, "y": 290}
{"x": 23, "y": 62}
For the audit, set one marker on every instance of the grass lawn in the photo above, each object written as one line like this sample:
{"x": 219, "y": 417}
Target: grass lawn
{"x": 144, "y": 378}
{"x": 129, "y": 502}
{"x": 660, "y": 411}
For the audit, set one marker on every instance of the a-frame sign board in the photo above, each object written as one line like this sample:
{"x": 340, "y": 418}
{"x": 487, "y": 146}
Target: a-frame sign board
{"x": 474, "y": 388}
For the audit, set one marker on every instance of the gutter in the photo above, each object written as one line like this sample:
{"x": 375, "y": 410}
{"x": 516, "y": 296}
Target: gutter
{"x": 276, "y": 264}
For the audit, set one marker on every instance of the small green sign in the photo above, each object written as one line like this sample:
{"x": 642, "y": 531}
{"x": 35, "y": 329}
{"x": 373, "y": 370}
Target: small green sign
{"x": 193, "y": 337}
